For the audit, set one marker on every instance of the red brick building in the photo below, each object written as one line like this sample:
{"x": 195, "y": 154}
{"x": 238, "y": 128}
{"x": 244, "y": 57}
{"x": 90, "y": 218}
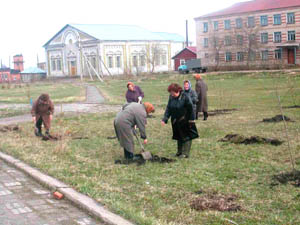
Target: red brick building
{"x": 8, "y": 75}
{"x": 185, "y": 54}
{"x": 251, "y": 35}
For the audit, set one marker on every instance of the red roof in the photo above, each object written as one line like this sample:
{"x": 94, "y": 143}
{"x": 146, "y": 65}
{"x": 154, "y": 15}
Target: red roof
{"x": 192, "y": 48}
{"x": 254, "y": 5}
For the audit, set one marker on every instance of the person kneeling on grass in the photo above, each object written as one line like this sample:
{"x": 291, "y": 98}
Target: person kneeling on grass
{"x": 132, "y": 114}
{"x": 180, "y": 109}
{"x": 42, "y": 111}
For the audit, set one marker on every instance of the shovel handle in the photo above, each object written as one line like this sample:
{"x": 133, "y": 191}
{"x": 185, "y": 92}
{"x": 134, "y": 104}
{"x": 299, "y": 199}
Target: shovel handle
{"x": 139, "y": 141}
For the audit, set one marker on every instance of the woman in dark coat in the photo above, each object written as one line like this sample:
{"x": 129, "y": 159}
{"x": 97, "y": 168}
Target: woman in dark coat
{"x": 180, "y": 109}
{"x": 191, "y": 93}
{"x": 134, "y": 93}
{"x": 201, "y": 90}
{"x": 42, "y": 111}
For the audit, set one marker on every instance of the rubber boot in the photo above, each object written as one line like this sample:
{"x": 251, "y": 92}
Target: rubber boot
{"x": 179, "y": 148}
{"x": 205, "y": 115}
{"x": 38, "y": 132}
{"x": 186, "y": 149}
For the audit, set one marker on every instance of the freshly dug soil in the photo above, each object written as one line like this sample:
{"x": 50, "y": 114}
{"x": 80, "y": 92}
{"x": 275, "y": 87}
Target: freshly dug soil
{"x": 138, "y": 159}
{"x": 277, "y": 118}
{"x": 292, "y": 178}
{"x": 220, "y": 112}
{"x": 51, "y": 137}
{"x": 215, "y": 201}
{"x": 9, "y": 128}
{"x": 240, "y": 139}
{"x": 291, "y": 107}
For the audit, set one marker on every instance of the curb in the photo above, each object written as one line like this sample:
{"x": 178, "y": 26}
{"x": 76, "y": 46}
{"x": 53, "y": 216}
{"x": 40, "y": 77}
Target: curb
{"x": 82, "y": 201}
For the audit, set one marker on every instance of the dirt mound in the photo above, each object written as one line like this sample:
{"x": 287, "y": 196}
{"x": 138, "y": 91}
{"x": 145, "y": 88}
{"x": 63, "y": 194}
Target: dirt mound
{"x": 51, "y": 137}
{"x": 215, "y": 201}
{"x": 287, "y": 178}
{"x": 277, "y": 118}
{"x": 240, "y": 139}
{"x": 138, "y": 159}
{"x": 220, "y": 112}
{"x": 9, "y": 128}
{"x": 291, "y": 107}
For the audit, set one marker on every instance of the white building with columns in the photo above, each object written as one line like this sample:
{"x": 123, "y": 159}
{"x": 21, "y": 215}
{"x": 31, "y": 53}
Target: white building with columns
{"x": 83, "y": 49}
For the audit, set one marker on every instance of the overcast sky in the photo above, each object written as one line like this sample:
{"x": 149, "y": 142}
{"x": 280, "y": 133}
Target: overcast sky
{"x": 26, "y": 25}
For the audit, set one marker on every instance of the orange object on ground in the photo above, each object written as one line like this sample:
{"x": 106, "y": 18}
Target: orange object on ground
{"x": 58, "y": 195}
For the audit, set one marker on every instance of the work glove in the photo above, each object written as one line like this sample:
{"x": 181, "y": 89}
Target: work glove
{"x": 140, "y": 99}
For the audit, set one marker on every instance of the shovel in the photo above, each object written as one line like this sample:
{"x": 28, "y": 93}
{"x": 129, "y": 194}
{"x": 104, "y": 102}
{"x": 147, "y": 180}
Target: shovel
{"x": 146, "y": 155}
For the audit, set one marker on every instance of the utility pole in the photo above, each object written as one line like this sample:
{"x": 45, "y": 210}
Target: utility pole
{"x": 187, "y": 33}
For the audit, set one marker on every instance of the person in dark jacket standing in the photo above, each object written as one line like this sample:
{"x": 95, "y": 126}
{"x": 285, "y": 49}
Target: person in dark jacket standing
{"x": 132, "y": 114}
{"x": 42, "y": 111}
{"x": 201, "y": 90}
{"x": 191, "y": 93}
{"x": 180, "y": 109}
{"x": 134, "y": 93}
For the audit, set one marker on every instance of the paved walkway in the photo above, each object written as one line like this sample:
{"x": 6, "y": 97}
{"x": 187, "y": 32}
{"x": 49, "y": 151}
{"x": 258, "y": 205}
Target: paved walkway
{"x": 24, "y": 202}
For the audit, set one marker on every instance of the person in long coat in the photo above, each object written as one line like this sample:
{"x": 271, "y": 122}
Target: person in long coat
{"x": 132, "y": 114}
{"x": 191, "y": 93}
{"x": 42, "y": 113}
{"x": 201, "y": 90}
{"x": 180, "y": 109}
{"x": 134, "y": 93}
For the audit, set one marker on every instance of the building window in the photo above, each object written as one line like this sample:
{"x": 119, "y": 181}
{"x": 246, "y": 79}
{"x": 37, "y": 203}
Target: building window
{"x": 228, "y": 57}
{"x": 278, "y": 54}
{"x": 110, "y": 62}
{"x": 182, "y": 61}
{"x": 264, "y": 37}
{"x": 252, "y": 55}
{"x": 290, "y": 18}
{"x": 206, "y": 55}
{"x": 93, "y": 62}
{"x": 239, "y": 39}
{"x": 277, "y": 19}
{"x": 164, "y": 59}
{"x": 239, "y": 23}
{"x": 53, "y": 64}
{"x": 143, "y": 60}
{"x": 251, "y": 21}
{"x": 227, "y": 24}
{"x": 205, "y": 27}
{"x": 205, "y": 44}
{"x": 216, "y": 25}
{"x": 264, "y": 55}
{"x": 227, "y": 40}
{"x": 252, "y": 38}
{"x": 58, "y": 64}
{"x": 118, "y": 61}
{"x": 264, "y": 20}
{"x": 277, "y": 37}
{"x": 291, "y": 35}
{"x": 240, "y": 56}
{"x": 134, "y": 61}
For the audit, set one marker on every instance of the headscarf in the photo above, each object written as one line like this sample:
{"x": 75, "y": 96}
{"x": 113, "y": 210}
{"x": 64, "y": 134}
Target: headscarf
{"x": 130, "y": 83}
{"x": 44, "y": 99}
{"x": 190, "y": 85}
{"x": 149, "y": 107}
{"x": 198, "y": 76}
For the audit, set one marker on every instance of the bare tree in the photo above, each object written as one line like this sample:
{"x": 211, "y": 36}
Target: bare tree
{"x": 153, "y": 55}
{"x": 217, "y": 43}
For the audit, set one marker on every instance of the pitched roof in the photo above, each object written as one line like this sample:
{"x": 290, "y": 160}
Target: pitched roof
{"x": 252, "y": 6}
{"x": 115, "y": 32}
{"x": 33, "y": 70}
{"x": 192, "y": 49}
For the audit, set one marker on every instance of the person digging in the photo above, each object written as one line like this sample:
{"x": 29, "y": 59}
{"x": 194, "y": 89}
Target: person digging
{"x": 42, "y": 113}
{"x": 132, "y": 114}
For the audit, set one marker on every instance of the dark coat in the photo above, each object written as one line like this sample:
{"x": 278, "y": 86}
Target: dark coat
{"x": 132, "y": 114}
{"x": 194, "y": 98}
{"x": 201, "y": 89}
{"x": 132, "y": 96}
{"x": 180, "y": 110}
{"x": 44, "y": 110}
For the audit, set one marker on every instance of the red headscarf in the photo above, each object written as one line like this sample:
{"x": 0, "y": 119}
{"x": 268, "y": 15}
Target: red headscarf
{"x": 149, "y": 107}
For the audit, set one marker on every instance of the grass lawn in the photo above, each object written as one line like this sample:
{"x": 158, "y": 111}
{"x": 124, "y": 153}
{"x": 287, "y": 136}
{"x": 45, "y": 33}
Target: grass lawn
{"x": 13, "y": 112}
{"x": 161, "y": 193}
{"x": 59, "y": 92}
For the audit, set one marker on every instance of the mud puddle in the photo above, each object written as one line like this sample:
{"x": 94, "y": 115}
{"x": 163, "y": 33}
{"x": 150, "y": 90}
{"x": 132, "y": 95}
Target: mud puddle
{"x": 240, "y": 139}
{"x": 277, "y": 118}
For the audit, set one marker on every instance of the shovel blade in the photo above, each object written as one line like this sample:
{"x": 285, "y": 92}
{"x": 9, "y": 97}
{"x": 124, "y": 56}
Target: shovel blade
{"x": 146, "y": 155}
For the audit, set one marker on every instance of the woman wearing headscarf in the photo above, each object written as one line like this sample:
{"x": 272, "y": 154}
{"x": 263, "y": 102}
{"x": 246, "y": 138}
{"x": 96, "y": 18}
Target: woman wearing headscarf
{"x": 191, "y": 93}
{"x": 134, "y": 93}
{"x": 180, "y": 109}
{"x": 131, "y": 115}
{"x": 201, "y": 90}
{"x": 42, "y": 113}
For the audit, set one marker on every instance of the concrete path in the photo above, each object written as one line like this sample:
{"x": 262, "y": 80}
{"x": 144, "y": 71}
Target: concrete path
{"x": 93, "y": 96}
{"x": 25, "y": 202}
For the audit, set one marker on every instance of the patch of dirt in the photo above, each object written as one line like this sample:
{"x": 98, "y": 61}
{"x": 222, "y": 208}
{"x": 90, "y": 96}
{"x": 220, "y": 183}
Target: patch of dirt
{"x": 291, "y": 107}
{"x": 292, "y": 178}
{"x": 277, "y": 118}
{"x": 138, "y": 159}
{"x": 9, "y": 128}
{"x": 215, "y": 201}
{"x": 111, "y": 137}
{"x": 240, "y": 139}
{"x": 58, "y": 137}
{"x": 220, "y": 112}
